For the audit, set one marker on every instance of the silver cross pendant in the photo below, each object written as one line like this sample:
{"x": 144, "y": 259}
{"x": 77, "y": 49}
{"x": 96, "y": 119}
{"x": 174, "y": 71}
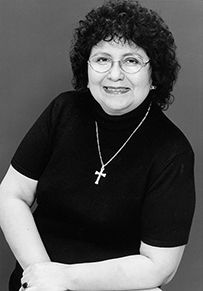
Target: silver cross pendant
{"x": 100, "y": 174}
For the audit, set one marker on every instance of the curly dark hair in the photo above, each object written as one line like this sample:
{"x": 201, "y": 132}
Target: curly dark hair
{"x": 128, "y": 21}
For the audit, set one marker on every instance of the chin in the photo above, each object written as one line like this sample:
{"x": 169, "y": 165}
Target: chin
{"x": 116, "y": 109}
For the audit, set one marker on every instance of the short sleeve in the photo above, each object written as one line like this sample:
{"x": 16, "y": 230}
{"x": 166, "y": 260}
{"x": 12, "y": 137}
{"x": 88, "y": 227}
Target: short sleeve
{"x": 32, "y": 155}
{"x": 169, "y": 204}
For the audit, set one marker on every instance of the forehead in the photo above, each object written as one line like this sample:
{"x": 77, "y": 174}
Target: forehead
{"x": 117, "y": 48}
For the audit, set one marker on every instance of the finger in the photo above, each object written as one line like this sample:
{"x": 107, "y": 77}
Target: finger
{"x": 24, "y": 285}
{"x": 33, "y": 289}
{"x": 27, "y": 270}
{"x": 25, "y": 281}
{"x": 23, "y": 289}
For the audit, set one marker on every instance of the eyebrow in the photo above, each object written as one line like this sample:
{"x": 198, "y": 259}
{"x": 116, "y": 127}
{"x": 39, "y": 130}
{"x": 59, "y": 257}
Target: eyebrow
{"x": 109, "y": 55}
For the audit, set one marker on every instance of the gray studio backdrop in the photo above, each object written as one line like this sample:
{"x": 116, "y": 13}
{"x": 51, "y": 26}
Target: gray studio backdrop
{"x": 35, "y": 37}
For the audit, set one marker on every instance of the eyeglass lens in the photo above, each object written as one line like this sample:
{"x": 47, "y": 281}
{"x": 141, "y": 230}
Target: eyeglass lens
{"x": 130, "y": 64}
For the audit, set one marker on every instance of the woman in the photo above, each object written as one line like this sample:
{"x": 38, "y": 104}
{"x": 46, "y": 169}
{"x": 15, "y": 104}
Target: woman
{"x": 112, "y": 175}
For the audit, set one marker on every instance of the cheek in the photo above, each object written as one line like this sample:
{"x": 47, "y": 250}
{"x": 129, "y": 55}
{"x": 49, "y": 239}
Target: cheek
{"x": 144, "y": 81}
{"x": 94, "y": 84}
{"x": 94, "y": 79}
{"x": 91, "y": 78}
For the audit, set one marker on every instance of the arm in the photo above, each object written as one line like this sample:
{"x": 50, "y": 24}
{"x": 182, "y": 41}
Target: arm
{"x": 153, "y": 267}
{"x": 17, "y": 194}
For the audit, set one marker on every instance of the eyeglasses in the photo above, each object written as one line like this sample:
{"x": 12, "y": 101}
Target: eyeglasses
{"x": 129, "y": 64}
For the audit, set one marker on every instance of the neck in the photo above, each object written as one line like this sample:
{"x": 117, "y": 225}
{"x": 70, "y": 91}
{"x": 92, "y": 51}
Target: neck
{"x": 120, "y": 122}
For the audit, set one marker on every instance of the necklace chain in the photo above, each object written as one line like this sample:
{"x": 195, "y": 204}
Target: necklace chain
{"x": 103, "y": 165}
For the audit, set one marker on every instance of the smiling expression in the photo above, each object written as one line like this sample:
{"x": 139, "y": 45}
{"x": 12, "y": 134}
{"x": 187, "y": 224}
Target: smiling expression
{"x": 116, "y": 91}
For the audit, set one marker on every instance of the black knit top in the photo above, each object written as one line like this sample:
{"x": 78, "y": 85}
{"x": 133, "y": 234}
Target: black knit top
{"x": 147, "y": 194}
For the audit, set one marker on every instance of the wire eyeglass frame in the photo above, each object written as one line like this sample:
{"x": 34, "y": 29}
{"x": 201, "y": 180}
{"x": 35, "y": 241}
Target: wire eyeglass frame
{"x": 120, "y": 62}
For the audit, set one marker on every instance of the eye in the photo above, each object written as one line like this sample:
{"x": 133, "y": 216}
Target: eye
{"x": 132, "y": 61}
{"x": 101, "y": 60}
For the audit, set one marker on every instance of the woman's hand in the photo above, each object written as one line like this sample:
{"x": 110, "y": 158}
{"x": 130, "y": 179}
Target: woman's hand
{"x": 46, "y": 276}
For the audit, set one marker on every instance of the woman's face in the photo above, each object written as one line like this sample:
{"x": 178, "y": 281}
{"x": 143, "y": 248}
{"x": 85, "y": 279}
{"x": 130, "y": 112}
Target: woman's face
{"x": 116, "y": 91}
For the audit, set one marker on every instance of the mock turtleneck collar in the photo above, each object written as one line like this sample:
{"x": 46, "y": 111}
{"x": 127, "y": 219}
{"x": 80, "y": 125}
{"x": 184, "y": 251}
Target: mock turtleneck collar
{"x": 120, "y": 122}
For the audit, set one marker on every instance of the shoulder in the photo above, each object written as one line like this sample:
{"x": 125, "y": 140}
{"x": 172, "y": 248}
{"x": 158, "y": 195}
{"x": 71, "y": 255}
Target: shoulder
{"x": 69, "y": 102}
{"x": 70, "y": 98}
{"x": 165, "y": 143}
{"x": 166, "y": 135}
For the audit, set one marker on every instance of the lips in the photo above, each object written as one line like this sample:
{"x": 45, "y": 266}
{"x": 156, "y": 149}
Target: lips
{"x": 116, "y": 90}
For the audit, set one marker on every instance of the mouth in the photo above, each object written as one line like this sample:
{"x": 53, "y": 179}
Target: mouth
{"x": 116, "y": 90}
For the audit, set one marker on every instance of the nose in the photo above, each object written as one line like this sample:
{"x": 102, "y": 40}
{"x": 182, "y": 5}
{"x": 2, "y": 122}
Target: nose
{"x": 116, "y": 74}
